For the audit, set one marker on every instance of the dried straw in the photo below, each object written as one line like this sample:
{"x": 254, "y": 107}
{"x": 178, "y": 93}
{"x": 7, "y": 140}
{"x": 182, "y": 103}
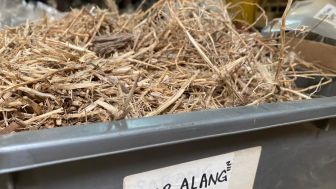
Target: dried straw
{"x": 178, "y": 56}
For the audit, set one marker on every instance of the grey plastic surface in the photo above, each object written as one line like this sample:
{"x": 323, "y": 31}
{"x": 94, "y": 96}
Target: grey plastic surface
{"x": 293, "y": 157}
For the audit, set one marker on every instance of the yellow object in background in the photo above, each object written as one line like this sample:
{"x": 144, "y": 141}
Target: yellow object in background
{"x": 249, "y": 9}
{"x": 273, "y": 9}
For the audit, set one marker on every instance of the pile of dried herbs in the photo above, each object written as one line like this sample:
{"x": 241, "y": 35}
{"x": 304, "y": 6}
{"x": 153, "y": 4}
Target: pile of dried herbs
{"x": 178, "y": 56}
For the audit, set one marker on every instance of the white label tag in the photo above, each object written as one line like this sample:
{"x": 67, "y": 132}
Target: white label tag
{"x": 234, "y": 170}
{"x": 327, "y": 14}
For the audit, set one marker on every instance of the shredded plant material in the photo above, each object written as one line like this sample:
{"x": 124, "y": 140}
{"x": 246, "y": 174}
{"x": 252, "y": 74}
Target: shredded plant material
{"x": 178, "y": 56}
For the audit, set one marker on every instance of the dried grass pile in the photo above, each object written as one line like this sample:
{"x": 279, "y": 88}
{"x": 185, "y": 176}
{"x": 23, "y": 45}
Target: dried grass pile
{"x": 178, "y": 56}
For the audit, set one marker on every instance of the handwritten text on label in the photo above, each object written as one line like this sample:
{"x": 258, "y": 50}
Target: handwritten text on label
{"x": 234, "y": 170}
{"x": 209, "y": 173}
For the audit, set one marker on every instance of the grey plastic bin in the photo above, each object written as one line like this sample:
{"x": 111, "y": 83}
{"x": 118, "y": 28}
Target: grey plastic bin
{"x": 295, "y": 153}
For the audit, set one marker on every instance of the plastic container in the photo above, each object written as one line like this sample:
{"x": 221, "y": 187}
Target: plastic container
{"x": 295, "y": 152}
